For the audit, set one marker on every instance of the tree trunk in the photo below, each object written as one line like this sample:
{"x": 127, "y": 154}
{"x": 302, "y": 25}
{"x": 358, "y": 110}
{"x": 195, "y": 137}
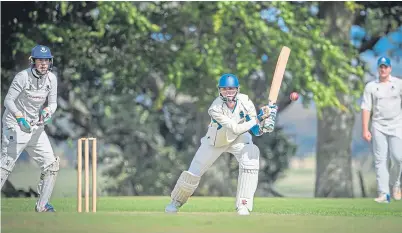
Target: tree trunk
{"x": 334, "y": 132}
{"x": 334, "y": 162}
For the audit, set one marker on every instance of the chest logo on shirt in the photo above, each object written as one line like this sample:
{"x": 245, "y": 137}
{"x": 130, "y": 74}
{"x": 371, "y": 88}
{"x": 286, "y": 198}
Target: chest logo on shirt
{"x": 47, "y": 88}
{"x": 36, "y": 97}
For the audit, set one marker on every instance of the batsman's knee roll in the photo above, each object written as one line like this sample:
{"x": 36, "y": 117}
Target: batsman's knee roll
{"x": 250, "y": 157}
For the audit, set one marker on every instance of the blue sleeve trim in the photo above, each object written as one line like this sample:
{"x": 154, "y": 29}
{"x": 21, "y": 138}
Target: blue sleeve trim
{"x": 255, "y": 129}
{"x": 219, "y": 125}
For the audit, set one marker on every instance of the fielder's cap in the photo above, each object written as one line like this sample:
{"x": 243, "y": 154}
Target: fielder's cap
{"x": 384, "y": 61}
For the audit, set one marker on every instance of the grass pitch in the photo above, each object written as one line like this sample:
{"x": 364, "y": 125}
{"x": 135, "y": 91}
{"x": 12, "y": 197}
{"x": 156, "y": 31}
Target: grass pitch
{"x": 205, "y": 214}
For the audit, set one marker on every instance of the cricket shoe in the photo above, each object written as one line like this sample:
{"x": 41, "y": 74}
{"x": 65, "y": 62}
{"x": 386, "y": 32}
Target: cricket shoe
{"x": 242, "y": 210}
{"x": 173, "y": 207}
{"x": 48, "y": 208}
{"x": 396, "y": 193}
{"x": 383, "y": 198}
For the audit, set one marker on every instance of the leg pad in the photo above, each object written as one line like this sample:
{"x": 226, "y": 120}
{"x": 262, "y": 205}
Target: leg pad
{"x": 185, "y": 187}
{"x": 46, "y": 183}
{"x": 246, "y": 187}
{"x": 7, "y": 166}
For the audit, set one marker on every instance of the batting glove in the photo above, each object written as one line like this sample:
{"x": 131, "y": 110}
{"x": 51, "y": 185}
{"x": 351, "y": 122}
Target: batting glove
{"x": 267, "y": 117}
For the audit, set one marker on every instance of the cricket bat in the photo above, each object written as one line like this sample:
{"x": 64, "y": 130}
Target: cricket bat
{"x": 278, "y": 75}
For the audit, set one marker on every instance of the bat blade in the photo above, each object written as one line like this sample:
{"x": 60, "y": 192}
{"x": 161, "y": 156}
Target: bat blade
{"x": 278, "y": 74}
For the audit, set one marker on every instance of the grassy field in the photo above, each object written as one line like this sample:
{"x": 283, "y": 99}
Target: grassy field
{"x": 205, "y": 214}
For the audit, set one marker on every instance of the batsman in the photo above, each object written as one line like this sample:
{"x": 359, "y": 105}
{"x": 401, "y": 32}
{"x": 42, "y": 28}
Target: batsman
{"x": 25, "y": 118}
{"x": 233, "y": 117}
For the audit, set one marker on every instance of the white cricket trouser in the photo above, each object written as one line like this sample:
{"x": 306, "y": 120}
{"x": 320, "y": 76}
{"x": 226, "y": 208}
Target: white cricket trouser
{"x": 36, "y": 143}
{"x": 381, "y": 145}
{"x": 241, "y": 148}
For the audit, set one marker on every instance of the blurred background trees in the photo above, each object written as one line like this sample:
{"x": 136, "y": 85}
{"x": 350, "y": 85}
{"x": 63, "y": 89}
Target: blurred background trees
{"x": 139, "y": 76}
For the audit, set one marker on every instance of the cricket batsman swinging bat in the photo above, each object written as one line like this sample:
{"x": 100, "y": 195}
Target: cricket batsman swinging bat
{"x": 276, "y": 84}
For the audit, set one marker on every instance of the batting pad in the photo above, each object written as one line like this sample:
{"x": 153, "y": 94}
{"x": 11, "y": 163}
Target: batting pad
{"x": 46, "y": 183}
{"x": 246, "y": 187}
{"x": 185, "y": 187}
{"x": 7, "y": 166}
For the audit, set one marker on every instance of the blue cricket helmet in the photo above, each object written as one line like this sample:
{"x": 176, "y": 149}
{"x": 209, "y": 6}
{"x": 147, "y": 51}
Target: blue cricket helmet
{"x": 41, "y": 52}
{"x": 228, "y": 80}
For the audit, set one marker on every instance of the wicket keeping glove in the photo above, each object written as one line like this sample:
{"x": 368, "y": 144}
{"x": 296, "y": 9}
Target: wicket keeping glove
{"x": 24, "y": 125}
{"x": 46, "y": 116}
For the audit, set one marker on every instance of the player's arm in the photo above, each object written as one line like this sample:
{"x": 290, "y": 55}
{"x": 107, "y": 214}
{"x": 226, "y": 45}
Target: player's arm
{"x": 365, "y": 118}
{"x": 46, "y": 113}
{"x": 17, "y": 86}
{"x": 217, "y": 114}
{"x": 256, "y": 130}
{"x": 52, "y": 98}
{"x": 366, "y": 106}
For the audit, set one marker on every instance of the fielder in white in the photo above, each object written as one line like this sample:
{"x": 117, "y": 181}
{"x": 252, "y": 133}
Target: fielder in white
{"x": 233, "y": 115}
{"x": 382, "y": 98}
{"x": 24, "y": 120}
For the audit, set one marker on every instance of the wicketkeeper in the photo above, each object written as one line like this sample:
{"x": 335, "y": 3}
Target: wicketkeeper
{"x": 25, "y": 118}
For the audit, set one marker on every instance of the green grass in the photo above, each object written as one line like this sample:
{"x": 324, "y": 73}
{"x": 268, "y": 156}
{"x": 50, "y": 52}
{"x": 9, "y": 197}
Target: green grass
{"x": 206, "y": 214}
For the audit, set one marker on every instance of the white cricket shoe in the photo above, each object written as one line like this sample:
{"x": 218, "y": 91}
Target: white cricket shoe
{"x": 173, "y": 207}
{"x": 396, "y": 193}
{"x": 242, "y": 210}
{"x": 383, "y": 198}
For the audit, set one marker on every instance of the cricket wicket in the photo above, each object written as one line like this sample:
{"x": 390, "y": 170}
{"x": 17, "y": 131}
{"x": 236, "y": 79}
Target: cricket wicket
{"x": 86, "y": 168}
